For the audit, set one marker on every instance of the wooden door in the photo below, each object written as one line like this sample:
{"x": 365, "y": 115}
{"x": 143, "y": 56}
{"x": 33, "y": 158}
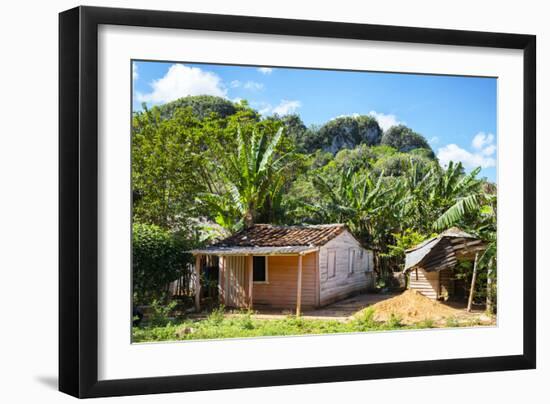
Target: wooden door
{"x": 235, "y": 285}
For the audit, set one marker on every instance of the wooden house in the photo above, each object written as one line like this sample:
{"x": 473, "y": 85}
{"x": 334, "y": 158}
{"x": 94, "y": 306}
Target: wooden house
{"x": 289, "y": 266}
{"x": 430, "y": 265}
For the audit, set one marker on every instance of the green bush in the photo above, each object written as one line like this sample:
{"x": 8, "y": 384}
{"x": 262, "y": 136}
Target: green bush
{"x": 158, "y": 257}
{"x": 365, "y": 320}
{"x": 160, "y": 312}
{"x": 394, "y": 321}
{"x": 426, "y": 323}
{"x": 452, "y": 322}
{"x": 217, "y": 316}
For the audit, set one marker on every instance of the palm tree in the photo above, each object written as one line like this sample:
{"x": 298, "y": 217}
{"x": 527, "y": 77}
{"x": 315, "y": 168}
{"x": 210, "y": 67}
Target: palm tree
{"x": 251, "y": 175}
{"x": 359, "y": 199}
{"x": 458, "y": 194}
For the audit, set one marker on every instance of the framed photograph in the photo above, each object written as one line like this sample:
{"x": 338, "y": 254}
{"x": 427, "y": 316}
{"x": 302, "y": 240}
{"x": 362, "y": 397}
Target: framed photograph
{"x": 251, "y": 201}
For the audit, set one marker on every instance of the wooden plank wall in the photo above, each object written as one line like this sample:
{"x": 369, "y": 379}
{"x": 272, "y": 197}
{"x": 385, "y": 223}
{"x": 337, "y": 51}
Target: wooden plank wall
{"x": 280, "y": 291}
{"x": 232, "y": 281}
{"x": 236, "y": 293}
{"x": 427, "y": 283}
{"x": 446, "y": 283}
{"x": 343, "y": 284}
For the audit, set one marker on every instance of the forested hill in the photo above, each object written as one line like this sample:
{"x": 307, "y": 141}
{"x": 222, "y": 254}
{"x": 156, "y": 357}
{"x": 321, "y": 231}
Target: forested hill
{"x": 344, "y": 132}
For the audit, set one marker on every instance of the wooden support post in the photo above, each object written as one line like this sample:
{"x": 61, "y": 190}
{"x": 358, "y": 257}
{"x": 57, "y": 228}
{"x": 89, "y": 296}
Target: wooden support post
{"x": 489, "y": 299}
{"x": 472, "y": 286}
{"x": 198, "y": 283}
{"x": 317, "y": 281}
{"x": 220, "y": 280}
{"x": 226, "y": 297}
{"x": 299, "y": 287}
{"x": 250, "y": 280}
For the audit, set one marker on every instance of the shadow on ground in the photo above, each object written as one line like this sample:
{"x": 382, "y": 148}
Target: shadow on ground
{"x": 48, "y": 381}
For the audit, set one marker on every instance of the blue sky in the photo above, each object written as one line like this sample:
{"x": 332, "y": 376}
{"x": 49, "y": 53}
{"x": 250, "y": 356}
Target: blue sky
{"x": 457, "y": 115}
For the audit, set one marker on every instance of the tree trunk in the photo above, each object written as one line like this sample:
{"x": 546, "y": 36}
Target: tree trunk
{"x": 249, "y": 217}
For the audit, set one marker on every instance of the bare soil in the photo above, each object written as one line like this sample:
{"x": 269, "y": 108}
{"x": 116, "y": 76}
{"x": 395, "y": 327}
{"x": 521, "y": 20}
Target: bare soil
{"x": 412, "y": 307}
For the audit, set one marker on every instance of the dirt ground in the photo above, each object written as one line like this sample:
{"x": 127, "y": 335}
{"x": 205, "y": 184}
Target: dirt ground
{"x": 341, "y": 311}
{"x": 410, "y": 306}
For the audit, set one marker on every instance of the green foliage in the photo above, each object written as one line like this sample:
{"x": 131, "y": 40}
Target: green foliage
{"x": 243, "y": 324}
{"x": 452, "y": 322}
{"x": 216, "y": 316}
{"x": 204, "y": 167}
{"x": 403, "y": 241}
{"x": 404, "y": 139}
{"x": 160, "y": 312}
{"x": 426, "y": 323}
{"x": 155, "y": 334}
{"x": 253, "y": 174}
{"x": 296, "y": 131}
{"x": 365, "y": 320}
{"x": 165, "y": 160}
{"x": 394, "y": 321}
{"x": 158, "y": 257}
{"x": 201, "y": 106}
{"x": 346, "y": 132}
{"x": 399, "y": 163}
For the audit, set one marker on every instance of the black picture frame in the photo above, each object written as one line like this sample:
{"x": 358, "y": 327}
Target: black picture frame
{"x": 78, "y": 201}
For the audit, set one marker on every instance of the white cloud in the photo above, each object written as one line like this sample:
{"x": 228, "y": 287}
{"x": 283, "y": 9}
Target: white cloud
{"x": 135, "y": 74}
{"x": 489, "y": 150}
{"x": 482, "y": 156}
{"x": 235, "y": 84}
{"x": 265, "y": 111}
{"x": 286, "y": 107}
{"x": 265, "y": 70}
{"x": 385, "y": 121}
{"x": 181, "y": 81}
{"x": 482, "y": 139}
{"x": 252, "y": 85}
{"x": 434, "y": 140}
{"x": 354, "y": 115}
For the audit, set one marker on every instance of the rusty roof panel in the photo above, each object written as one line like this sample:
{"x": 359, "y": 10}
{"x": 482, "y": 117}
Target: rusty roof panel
{"x": 266, "y": 235}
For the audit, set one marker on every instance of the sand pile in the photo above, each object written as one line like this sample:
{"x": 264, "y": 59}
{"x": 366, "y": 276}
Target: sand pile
{"x": 413, "y": 307}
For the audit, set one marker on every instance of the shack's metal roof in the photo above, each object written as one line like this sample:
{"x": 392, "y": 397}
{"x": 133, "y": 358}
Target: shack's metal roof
{"x": 443, "y": 251}
{"x": 266, "y": 239}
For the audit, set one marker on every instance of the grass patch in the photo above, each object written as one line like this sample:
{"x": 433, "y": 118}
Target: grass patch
{"x": 452, "y": 322}
{"x": 243, "y": 324}
{"x": 426, "y": 323}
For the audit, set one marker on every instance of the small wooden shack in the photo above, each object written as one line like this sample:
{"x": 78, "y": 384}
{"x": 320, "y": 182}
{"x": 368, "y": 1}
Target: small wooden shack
{"x": 289, "y": 266}
{"x": 430, "y": 265}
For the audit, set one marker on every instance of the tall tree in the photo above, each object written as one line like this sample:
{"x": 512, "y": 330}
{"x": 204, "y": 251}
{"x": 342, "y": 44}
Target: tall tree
{"x": 251, "y": 174}
{"x": 166, "y": 154}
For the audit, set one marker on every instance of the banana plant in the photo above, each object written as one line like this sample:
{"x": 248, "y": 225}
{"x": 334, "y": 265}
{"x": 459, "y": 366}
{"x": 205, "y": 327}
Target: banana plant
{"x": 249, "y": 175}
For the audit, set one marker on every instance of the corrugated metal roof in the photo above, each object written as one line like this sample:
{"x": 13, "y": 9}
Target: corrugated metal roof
{"x": 442, "y": 251}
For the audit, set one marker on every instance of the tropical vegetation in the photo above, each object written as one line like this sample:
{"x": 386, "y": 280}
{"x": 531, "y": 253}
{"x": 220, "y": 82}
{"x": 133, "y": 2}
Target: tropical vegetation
{"x": 204, "y": 167}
